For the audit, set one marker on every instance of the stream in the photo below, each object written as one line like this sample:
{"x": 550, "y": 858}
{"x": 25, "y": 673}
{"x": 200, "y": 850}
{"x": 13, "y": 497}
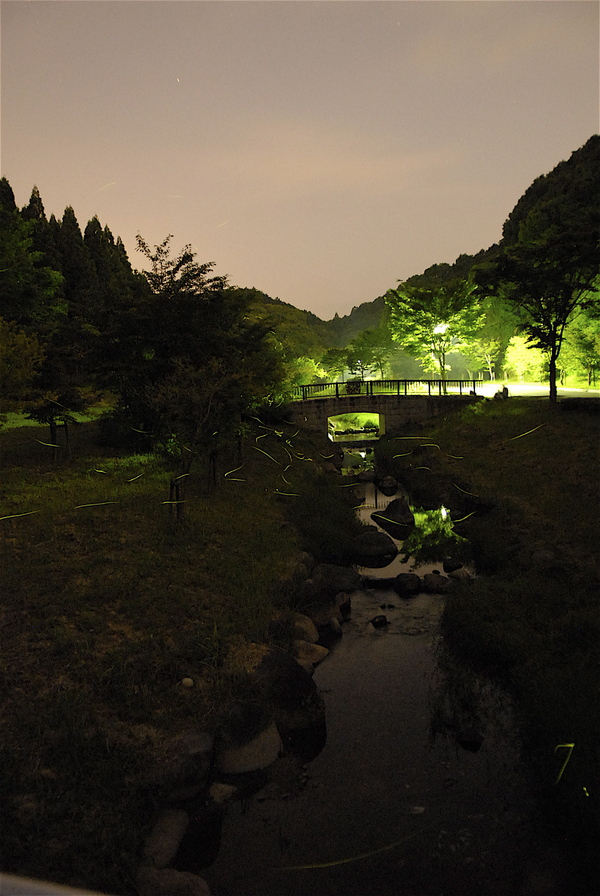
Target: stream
{"x": 392, "y": 805}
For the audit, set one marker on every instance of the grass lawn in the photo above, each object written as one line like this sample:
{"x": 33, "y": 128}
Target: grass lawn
{"x": 106, "y": 604}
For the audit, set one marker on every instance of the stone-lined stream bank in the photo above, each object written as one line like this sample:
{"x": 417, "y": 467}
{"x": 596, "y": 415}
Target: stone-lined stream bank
{"x": 408, "y": 782}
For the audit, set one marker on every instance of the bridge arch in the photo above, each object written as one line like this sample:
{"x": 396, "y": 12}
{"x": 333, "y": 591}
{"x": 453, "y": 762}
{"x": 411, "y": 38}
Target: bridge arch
{"x": 398, "y": 411}
{"x": 374, "y": 419}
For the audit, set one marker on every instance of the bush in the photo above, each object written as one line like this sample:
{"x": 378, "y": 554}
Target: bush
{"x": 326, "y": 520}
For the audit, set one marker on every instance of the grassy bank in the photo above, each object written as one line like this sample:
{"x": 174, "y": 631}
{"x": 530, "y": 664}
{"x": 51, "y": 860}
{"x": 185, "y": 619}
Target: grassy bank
{"x": 524, "y": 477}
{"x": 108, "y": 603}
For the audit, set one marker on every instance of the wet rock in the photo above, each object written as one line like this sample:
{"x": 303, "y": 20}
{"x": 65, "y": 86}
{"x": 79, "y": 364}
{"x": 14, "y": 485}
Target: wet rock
{"x": 460, "y": 575}
{"x": 330, "y": 632}
{"x": 322, "y": 613}
{"x": 451, "y": 565}
{"x": 290, "y": 692}
{"x": 408, "y": 583}
{"x": 344, "y": 604}
{"x": 374, "y": 549}
{"x": 379, "y": 582}
{"x": 258, "y": 753}
{"x": 327, "y": 580}
{"x": 305, "y": 628}
{"x": 285, "y": 627}
{"x": 187, "y": 758}
{"x": 397, "y": 519}
{"x": 161, "y": 846}
{"x": 308, "y": 654}
{"x": 435, "y": 583}
{"x": 379, "y": 621}
{"x": 170, "y": 882}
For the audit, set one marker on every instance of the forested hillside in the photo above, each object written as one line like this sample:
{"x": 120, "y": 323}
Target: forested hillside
{"x": 77, "y": 320}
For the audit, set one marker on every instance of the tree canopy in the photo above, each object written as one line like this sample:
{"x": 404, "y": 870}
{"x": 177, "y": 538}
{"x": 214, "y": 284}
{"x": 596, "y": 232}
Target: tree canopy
{"x": 433, "y": 314}
{"x": 547, "y": 264}
{"x": 193, "y": 361}
{"x": 180, "y": 349}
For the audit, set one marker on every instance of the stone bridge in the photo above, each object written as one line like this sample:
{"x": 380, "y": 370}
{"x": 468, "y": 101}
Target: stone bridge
{"x": 399, "y": 403}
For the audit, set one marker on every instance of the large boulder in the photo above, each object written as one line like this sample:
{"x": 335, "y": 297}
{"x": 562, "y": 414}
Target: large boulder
{"x": 436, "y": 583}
{"x": 258, "y": 753}
{"x": 374, "y": 549}
{"x": 286, "y": 627}
{"x": 388, "y": 486}
{"x": 405, "y": 584}
{"x": 290, "y": 692}
{"x": 308, "y": 654}
{"x": 328, "y": 580}
{"x": 163, "y": 842}
{"x": 408, "y": 583}
{"x": 162, "y": 881}
{"x": 247, "y": 738}
{"x": 304, "y": 628}
{"x": 397, "y": 519}
{"x": 186, "y": 757}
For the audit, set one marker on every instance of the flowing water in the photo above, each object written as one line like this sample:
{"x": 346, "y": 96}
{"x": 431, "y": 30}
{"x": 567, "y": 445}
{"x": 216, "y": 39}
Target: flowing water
{"x": 392, "y": 805}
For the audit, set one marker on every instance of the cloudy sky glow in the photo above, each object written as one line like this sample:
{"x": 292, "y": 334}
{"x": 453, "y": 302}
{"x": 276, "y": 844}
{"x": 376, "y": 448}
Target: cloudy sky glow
{"x": 319, "y": 150}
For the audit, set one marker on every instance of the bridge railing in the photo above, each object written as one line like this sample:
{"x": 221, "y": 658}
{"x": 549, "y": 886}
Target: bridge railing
{"x": 384, "y": 387}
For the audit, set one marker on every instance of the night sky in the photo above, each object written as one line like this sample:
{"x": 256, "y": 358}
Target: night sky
{"x": 319, "y": 151}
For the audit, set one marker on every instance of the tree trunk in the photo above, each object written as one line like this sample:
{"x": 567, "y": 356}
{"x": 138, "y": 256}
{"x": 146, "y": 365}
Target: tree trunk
{"x": 67, "y": 439}
{"x": 552, "y": 367}
{"x": 212, "y": 470}
{"x": 53, "y": 437}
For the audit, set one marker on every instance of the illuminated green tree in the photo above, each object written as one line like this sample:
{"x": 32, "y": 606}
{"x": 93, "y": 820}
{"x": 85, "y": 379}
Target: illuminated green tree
{"x": 371, "y": 351}
{"x": 433, "y": 314}
{"x": 582, "y": 345}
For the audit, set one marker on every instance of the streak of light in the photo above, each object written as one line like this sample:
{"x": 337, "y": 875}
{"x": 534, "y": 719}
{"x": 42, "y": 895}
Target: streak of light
{"x": 266, "y": 454}
{"x": 105, "y": 187}
{"x": 568, "y": 747}
{"x": 13, "y": 516}
{"x": 95, "y": 504}
{"x": 526, "y": 433}
{"x": 362, "y": 855}
{"x": 463, "y": 518}
{"x": 473, "y": 495}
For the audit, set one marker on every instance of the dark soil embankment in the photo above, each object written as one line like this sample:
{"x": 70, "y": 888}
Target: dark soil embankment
{"x": 522, "y": 477}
